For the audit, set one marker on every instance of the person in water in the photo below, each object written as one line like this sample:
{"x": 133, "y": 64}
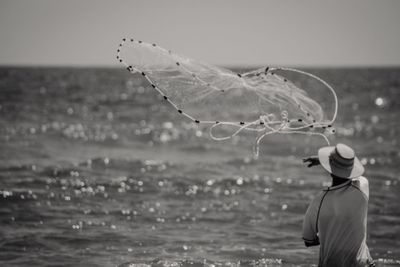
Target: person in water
{"x": 336, "y": 219}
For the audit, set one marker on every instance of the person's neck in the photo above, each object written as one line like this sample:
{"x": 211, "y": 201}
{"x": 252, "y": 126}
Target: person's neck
{"x": 338, "y": 180}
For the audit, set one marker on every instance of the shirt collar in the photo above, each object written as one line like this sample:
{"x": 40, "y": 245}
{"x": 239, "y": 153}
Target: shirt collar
{"x": 338, "y": 186}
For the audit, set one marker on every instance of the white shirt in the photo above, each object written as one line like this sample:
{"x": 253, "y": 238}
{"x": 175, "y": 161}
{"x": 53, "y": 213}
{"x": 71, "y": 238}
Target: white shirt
{"x": 338, "y": 218}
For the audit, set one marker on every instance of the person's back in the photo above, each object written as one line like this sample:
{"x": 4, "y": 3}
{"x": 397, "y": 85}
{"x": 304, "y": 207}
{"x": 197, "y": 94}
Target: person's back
{"x": 337, "y": 220}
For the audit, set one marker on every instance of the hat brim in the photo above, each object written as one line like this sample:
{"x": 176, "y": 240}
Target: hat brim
{"x": 356, "y": 171}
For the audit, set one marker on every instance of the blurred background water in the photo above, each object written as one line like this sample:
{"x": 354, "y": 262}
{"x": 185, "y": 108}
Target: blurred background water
{"x": 96, "y": 170}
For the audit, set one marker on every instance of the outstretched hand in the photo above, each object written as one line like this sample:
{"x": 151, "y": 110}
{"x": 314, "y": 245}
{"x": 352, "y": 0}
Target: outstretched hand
{"x": 311, "y": 161}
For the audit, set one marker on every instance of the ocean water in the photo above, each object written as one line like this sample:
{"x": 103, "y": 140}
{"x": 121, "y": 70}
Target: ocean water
{"x": 96, "y": 170}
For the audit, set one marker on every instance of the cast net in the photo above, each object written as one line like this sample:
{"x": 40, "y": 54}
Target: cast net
{"x": 263, "y": 101}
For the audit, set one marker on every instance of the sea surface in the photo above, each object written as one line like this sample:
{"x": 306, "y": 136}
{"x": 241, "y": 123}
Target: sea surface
{"x": 97, "y": 170}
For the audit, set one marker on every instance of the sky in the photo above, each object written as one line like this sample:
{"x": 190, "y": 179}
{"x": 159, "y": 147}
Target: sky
{"x": 222, "y": 32}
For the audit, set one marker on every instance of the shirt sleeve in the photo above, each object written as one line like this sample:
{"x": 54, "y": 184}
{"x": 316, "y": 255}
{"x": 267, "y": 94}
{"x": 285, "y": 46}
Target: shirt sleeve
{"x": 310, "y": 233}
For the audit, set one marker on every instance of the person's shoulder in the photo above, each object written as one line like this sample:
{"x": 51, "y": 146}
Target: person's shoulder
{"x": 314, "y": 204}
{"x": 318, "y": 197}
{"x": 360, "y": 181}
{"x": 362, "y": 184}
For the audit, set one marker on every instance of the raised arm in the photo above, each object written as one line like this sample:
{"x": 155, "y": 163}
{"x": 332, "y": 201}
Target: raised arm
{"x": 311, "y": 161}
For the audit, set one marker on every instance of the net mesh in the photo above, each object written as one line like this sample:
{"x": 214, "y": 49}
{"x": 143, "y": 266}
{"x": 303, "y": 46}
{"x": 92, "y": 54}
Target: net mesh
{"x": 262, "y": 100}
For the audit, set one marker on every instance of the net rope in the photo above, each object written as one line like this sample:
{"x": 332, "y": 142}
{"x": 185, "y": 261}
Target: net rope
{"x": 183, "y": 82}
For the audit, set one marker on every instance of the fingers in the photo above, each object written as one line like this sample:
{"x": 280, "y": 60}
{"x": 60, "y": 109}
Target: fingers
{"x": 311, "y": 161}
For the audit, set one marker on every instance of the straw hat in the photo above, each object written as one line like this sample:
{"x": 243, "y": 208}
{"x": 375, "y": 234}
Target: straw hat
{"x": 341, "y": 161}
